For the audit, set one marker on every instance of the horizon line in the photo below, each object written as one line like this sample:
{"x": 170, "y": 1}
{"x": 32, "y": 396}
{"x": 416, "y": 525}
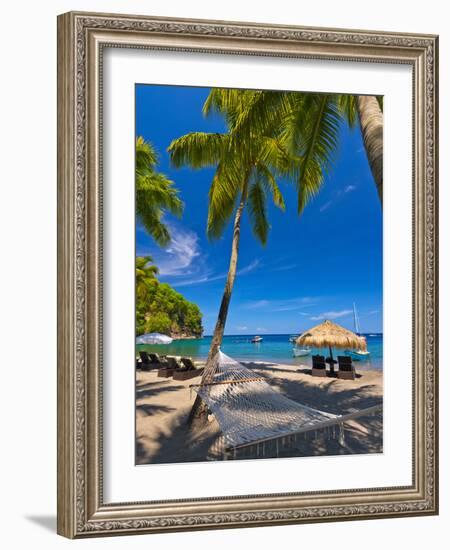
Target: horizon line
{"x": 277, "y": 334}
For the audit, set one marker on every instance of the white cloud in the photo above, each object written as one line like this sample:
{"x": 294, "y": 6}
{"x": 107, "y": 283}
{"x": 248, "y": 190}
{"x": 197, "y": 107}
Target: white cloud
{"x": 325, "y": 206}
{"x": 261, "y": 329}
{"x": 349, "y": 188}
{"x": 284, "y": 267}
{"x": 207, "y": 276}
{"x": 337, "y": 196}
{"x": 332, "y": 315}
{"x": 288, "y": 304}
{"x": 177, "y": 259}
{"x": 256, "y": 304}
{"x": 250, "y": 267}
{"x": 241, "y": 327}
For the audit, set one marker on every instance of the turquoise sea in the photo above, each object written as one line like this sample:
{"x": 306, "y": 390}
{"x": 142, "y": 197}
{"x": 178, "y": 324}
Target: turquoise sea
{"x": 274, "y": 348}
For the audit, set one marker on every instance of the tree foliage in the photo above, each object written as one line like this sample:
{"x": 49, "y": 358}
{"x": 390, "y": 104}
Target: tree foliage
{"x": 247, "y": 164}
{"x": 155, "y": 193}
{"x": 308, "y": 126}
{"x": 159, "y": 308}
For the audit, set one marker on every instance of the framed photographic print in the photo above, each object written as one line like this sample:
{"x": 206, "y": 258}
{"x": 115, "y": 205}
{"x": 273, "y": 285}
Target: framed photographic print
{"x": 247, "y": 284}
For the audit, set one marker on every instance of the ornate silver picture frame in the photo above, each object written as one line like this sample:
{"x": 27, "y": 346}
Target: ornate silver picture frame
{"x": 82, "y": 38}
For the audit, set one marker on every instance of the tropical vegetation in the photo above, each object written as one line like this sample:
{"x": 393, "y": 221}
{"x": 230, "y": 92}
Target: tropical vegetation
{"x": 246, "y": 170}
{"x": 309, "y": 125}
{"x": 155, "y": 193}
{"x": 159, "y": 308}
{"x": 269, "y": 135}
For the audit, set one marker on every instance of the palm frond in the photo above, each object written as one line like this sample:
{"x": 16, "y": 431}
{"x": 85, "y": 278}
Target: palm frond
{"x": 317, "y": 145}
{"x": 222, "y": 196}
{"x": 347, "y": 107}
{"x": 198, "y": 149}
{"x": 225, "y": 101}
{"x": 262, "y": 113}
{"x": 150, "y": 216}
{"x": 258, "y": 212}
{"x": 146, "y": 156}
{"x": 155, "y": 193}
{"x": 380, "y": 101}
{"x": 142, "y": 261}
{"x": 269, "y": 151}
{"x": 265, "y": 176}
{"x": 160, "y": 191}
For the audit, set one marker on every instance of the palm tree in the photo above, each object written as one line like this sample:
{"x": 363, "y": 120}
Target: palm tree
{"x": 371, "y": 121}
{"x": 145, "y": 273}
{"x": 146, "y": 282}
{"x": 302, "y": 120}
{"x": 246, "y": 171}
{"x": 155, "y": 193}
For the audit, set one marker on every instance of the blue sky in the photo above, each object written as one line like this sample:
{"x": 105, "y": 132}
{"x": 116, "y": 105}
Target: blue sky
{"x": 313, "y": 267}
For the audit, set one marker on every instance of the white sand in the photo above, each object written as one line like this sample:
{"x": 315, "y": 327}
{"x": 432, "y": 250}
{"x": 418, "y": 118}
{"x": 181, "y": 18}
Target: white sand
{"x": 163, "y": 405}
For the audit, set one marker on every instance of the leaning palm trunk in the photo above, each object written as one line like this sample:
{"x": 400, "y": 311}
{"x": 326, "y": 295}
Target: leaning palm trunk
{"x": 199, "y": 409}
{"x": 371, "y": 120}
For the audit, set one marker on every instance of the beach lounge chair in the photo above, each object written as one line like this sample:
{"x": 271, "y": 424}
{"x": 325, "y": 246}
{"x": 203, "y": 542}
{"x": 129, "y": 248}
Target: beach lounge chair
{"x": 319, "y": 367}
{"x": 155, "y": 358}
{"x": 346, "y": 368}
{"x": 168, "y": 370}
{"x": 187, "y": 371}
{"x": 147, "y": 361}
{"x": 188, "y": 364}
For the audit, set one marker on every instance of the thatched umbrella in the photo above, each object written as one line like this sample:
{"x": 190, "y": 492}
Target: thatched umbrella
{"x": 329, "y": 334}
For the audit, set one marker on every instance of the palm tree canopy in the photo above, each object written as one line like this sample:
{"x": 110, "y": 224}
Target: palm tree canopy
{"x": 329, "y": 334}
{"x": 155, "y": 193}
{"x": 247, "y": 166}
{"x": 308, "y": 125}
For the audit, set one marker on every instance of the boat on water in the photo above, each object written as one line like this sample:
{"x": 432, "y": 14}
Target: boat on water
{"x": 256, "y": 339}
{"x": 293, "y": 338}
{"x": 300, "y": 352}
{"x": 358, "y": 355}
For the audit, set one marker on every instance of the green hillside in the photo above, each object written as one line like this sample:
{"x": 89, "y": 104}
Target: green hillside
{"x": 159, "y": 308}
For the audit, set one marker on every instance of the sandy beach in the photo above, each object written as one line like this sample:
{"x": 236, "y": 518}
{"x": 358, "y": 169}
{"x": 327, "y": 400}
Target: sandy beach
{"x": 163, "y": 405}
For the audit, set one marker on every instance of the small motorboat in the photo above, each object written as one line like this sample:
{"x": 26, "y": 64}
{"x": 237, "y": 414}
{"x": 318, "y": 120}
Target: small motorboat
{"x": 358, "y": 355}
{"x": 300, "y": 352}
{"x": 256, "y": 340}
{"x": 293, "y": 338}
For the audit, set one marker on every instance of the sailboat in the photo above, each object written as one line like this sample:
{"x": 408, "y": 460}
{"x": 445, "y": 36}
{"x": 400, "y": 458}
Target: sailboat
{"x": 358, "y": 355}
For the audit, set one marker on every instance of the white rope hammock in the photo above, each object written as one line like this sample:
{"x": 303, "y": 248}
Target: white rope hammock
{"x": 251, "y": 413}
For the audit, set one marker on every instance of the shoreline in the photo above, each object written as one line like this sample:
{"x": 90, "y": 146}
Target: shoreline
{"x": 163, "y": 406}
{"x": 299, "y": 363}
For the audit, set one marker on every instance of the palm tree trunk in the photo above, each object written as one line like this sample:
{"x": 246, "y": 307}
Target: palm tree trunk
{"x": 199, "y": 410}
{"x": 371, "y": 120}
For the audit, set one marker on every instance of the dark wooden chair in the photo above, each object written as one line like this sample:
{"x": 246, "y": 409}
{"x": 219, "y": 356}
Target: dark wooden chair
{"x": 319, "y": 367}
{"x": 172, "y": 365}
{"x": 146, "y": 362}
{"x": 188, "y": 371}
{"x": 188, "y": 364}
{"x": 346, "y": 368}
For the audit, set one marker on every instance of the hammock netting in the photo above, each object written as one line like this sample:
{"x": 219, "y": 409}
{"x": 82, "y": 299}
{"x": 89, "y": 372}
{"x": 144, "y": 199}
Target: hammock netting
{"x": 250, "y": 412}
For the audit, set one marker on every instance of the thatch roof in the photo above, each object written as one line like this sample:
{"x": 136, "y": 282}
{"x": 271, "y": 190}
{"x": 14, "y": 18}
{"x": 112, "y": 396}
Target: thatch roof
{"x": 331, "y": 334}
